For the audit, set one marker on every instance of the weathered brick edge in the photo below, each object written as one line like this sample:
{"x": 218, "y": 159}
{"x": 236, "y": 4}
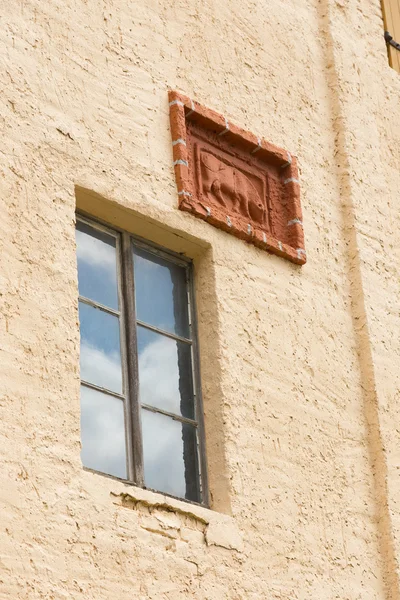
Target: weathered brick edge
{"x": 182, "y": 108}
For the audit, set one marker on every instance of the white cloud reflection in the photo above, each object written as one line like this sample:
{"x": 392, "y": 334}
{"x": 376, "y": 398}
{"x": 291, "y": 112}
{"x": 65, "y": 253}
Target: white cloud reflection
{"x": 100, "y": 368}
{"x": 102, "y": 418}
{"x": 159, "y": 373}
{"x": 95, "y": 252}
{"x": 163, "y": 443}
{"x": 164, "y": 467}
{"x": 102, "y": 432}
{"x": 97, "y": 266}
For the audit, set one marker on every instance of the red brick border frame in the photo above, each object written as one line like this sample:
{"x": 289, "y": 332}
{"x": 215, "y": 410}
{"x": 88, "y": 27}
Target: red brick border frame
{"x": 184, "y": 110}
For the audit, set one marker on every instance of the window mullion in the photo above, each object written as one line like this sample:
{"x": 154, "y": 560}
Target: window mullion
{"x": 134, "y": 429}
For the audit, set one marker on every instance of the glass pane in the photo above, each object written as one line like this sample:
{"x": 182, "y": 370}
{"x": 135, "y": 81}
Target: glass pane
{"x": 103, "y": 432}
{"x": 170, "y": 456}
{"x": 97, "y": 265}
{"x": 161, "y": 294}
{"x": 165, "y": 374}
{"x": 100, "y": 348}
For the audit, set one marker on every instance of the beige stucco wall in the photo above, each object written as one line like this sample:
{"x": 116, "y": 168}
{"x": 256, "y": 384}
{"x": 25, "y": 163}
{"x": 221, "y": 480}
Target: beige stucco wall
{"x": 299, "y": 365}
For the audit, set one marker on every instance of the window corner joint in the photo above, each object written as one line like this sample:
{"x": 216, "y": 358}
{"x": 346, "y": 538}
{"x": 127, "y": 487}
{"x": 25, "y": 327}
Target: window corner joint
{"x": 389, "y": 40}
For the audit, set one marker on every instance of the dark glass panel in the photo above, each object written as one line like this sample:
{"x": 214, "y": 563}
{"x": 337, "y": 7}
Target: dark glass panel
{"x": 161, "y": 293}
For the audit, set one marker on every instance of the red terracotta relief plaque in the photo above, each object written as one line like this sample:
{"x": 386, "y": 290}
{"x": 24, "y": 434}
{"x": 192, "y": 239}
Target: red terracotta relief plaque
{"x": 236, "y": 181}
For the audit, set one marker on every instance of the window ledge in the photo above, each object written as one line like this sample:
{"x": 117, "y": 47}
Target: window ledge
{"x": 174, "y": 518}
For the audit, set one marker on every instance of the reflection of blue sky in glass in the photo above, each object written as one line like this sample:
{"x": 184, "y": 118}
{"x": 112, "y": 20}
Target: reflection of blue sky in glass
{"x": 159, "y": 383}
{"x": 161, "y": 293}
{"x": 165, "y": 372}
{"x": 97, "y": 265}
{"x": 163, "y": 450}
{"x": 103, "y": 432}
{"x": 100, "y": 348}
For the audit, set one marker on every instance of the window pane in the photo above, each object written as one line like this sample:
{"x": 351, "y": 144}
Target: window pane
{"x": 170, "y": 456}
{"x": 161, "y": 293}
{"x": 165, "y": 373}
{"x": 100, "y": 348}
{"x": 103, "y": 432}
{"x": 97, "y": 265}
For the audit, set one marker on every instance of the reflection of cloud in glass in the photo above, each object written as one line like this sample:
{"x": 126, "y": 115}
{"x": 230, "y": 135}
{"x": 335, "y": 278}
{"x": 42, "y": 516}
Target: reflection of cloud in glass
{"x": 165, "y": 373}
{"x": 97, "y": 267}
{"x": 100, "y": 368}
{"x": 159, "y": 374}
{"x": 169, "y": 446}
{"x": 102, "y": 432}
{"x": 164, "y": 467}
{"x": 94, "y": 252}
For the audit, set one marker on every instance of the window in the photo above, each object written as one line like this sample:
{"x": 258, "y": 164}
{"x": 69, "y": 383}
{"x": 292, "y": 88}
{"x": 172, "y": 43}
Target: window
{"x": 391, "y": 16}
{"x": 141, "y": 415}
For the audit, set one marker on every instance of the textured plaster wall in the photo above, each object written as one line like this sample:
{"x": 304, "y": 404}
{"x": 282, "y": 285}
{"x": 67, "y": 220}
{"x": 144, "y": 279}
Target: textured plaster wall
{"x": 299, "y": 365}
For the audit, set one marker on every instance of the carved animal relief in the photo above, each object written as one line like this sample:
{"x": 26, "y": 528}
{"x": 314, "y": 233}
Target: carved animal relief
{"x": 235, "y": 181}
{"x": 236, "y": 190}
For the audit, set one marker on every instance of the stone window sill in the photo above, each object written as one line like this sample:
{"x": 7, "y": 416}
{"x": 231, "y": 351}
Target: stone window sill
{"x": 173, "y": 518}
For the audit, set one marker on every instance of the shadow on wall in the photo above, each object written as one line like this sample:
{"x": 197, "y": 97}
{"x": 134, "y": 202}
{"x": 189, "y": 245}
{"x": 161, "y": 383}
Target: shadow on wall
{"x": 358, "y": 313}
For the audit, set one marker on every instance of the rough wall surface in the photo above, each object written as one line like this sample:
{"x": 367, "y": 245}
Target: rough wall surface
{"x": 299, "y": 365}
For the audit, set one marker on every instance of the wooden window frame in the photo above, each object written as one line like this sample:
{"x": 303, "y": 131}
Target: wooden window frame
{"x": 125, "y": 242}
{"x": 391, "y": 18}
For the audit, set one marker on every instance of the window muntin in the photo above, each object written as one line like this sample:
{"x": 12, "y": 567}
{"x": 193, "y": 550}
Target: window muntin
{"x": 141, "y": 418}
